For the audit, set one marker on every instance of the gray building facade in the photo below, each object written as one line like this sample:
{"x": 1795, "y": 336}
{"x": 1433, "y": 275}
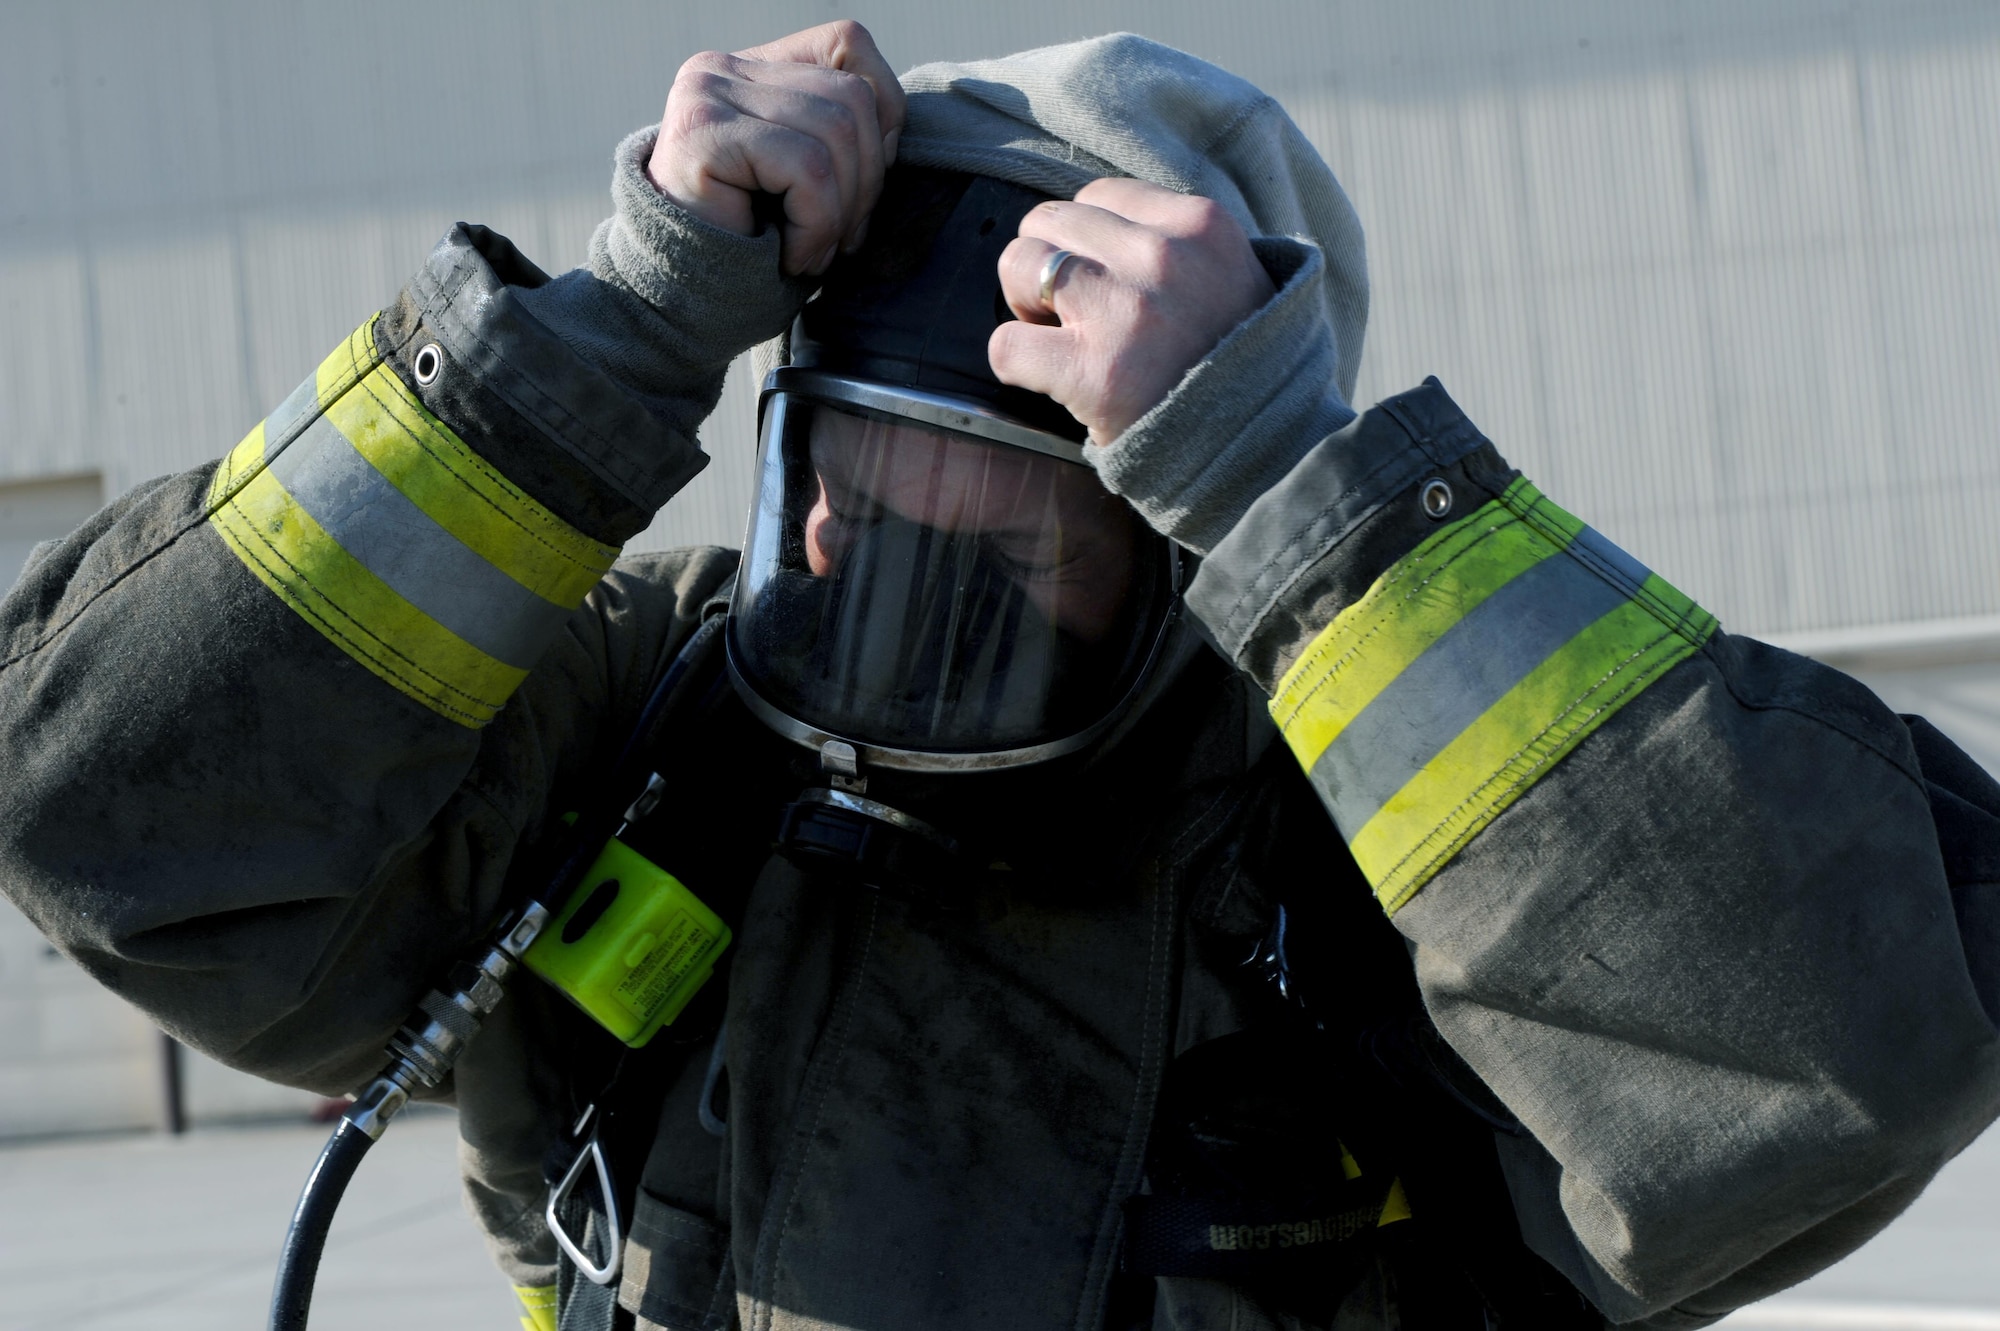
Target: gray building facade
{"x": 1724, "y": 279}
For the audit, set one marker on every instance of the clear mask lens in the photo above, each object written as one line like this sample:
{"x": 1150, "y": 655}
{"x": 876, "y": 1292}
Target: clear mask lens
{"x": 913, "y": 588}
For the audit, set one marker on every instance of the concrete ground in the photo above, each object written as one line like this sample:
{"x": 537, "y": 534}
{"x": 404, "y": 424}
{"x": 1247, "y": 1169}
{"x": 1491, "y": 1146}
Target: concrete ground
{"x": 155, "y": 1233}
{"x": 151, "y": 1233}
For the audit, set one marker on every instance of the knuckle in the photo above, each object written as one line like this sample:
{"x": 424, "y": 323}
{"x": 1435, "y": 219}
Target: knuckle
{"x": 1041, "y": 222}
{"x": 845, "y": 34}
{"x": 817, "y": 159}
{"x": 1209, "y": 219}
{"x": 1001, "y": 346}
{"x": 842, "y": 123}
{"x": 859, "y": 95}
{"x": 697, "y": 115}
{"x": 1153, "y": 254}
{"x": 1017, "y": 255}
{"x": 704, "y": 63}
{"x": 698, "y": 85}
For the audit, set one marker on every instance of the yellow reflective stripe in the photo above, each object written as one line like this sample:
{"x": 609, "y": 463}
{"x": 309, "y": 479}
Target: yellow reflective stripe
{"x": 1415, "y": 603}
{"x": 292, "y": 555}
{"x": 347, "y": 364}
{"x": 419, "y": 455}
{"x": 540, "y": 1303}
{"x": 1470, "y": 667}
{"x": 1533, "y": 726}
{"x": 1395, "y": 1206}
{"x": 375, "y": 522}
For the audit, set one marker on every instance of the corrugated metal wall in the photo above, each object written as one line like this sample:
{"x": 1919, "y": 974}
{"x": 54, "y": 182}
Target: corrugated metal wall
{"x": 1723, "y": 277}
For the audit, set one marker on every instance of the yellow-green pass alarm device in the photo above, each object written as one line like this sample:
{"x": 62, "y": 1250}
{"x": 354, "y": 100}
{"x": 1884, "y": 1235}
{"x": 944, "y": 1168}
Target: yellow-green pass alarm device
{"x": 632, "y": 946}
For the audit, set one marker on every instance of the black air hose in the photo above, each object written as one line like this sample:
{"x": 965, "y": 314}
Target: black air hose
{"x": 696, "y": 665}
{"x": 298, "y": 1264}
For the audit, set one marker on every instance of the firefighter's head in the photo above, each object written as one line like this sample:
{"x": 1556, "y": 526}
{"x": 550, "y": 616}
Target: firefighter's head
{"x": 932, "y": 572}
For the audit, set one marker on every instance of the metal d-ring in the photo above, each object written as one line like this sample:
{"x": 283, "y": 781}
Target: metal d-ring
{"x": 615, "y": 1231}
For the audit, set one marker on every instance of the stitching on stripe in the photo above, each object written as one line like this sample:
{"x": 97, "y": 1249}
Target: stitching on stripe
{"x": 1631, "y": 685}
{"x": 1679, "y": 621}
{"x": 1459, "y": 440}
{"x": 354, "y": 375}
{"x": 346, "y": 385}
{"x": 1673, "y": 618}
{"x": 1381, "y": 621}
{"x": 1311, "y": 662}
{"x": 594, "y": 449}
{"x": 331, "y": 630}
{"x": 1404, "y": 568}
{"x": 359, "y": 651}
{"x": 249, "y": 526}
{"x": 1479, "y": 796}
{"x": 480, "y": 467}
{"x": 208, "y": 511}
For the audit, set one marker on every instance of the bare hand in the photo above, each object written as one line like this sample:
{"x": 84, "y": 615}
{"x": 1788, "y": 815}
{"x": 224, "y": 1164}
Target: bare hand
{"x": 1158, "y": 279}
{"x": 812, "y": 118}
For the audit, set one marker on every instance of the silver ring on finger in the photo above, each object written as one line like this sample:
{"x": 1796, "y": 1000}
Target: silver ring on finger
{"x": 1051, "y": 270}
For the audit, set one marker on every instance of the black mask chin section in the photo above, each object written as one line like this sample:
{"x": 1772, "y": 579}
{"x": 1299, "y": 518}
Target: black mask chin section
{"x": 858, "y": 842}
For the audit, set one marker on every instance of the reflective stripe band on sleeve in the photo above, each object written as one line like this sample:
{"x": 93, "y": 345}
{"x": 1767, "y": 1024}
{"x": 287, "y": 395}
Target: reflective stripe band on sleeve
{"x": 1469, "y": 668}
{"x": 538, "y": 1302}
{"x": 370, "y": 518}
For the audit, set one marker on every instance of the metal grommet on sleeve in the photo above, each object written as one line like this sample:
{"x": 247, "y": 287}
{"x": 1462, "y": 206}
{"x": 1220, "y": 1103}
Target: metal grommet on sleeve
{"x": 429, "y": 363}
{"x": 1436, "y": 499}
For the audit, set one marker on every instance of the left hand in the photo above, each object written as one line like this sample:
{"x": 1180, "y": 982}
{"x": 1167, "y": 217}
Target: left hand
{"x": 1158, "y": 279}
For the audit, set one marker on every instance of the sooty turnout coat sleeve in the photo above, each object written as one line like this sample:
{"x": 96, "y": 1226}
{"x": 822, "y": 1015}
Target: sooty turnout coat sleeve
{"x": 1717, "y": 926}
{"x": 272, "y": 731}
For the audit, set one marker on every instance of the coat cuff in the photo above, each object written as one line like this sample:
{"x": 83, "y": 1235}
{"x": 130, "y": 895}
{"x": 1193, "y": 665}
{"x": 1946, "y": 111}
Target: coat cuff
{"x": 526, "y": 401}
{"x": 1241, "y": 419}
{"x": 1435, "y": 633}
{"x": 1312, "y": 542}
{"x": 662, "y": 306}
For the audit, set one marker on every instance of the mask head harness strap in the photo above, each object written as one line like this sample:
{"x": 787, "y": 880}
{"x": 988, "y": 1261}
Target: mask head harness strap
{"x": 916, "y": 305}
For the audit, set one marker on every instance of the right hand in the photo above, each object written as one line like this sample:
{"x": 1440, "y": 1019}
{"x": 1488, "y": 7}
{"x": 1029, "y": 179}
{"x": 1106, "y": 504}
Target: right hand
{"x": 812, "y": 118}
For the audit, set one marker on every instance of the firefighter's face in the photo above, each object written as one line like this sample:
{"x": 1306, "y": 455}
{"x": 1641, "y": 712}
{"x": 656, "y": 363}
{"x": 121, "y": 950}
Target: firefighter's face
{"x": 1066, "y": 542}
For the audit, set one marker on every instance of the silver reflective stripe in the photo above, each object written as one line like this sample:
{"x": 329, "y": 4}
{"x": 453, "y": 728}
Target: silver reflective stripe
{"x": 1455, "y": 681}
{"x": 401, "y": 544}
{"x": 1620, "y": 563}
{"x": 302, "y": 402}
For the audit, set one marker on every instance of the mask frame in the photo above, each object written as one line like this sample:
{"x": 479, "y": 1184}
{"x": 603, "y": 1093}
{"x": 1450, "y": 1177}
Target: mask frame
{"x": 966, "y": 417}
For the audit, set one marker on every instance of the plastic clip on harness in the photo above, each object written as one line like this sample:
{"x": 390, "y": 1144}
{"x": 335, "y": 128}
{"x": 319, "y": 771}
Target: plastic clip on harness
{"x": 424, "y": 1049}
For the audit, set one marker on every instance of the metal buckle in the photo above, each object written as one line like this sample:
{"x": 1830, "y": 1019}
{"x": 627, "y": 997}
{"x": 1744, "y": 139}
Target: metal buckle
{"x": 597, "y": 1275}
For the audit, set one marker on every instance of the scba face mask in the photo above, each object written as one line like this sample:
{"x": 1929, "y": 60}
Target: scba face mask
{"x": 933, "y": 576}
{"x": 935, "y": 597}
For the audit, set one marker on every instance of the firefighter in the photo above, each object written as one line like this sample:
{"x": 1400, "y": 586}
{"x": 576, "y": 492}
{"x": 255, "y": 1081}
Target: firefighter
{"x": 1603, "y": 967}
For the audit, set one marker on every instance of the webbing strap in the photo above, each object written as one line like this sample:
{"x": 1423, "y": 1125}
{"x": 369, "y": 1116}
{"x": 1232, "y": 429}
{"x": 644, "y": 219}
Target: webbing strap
{"x": 1202, "y": 1236}
{"x": 582, "y": 1305}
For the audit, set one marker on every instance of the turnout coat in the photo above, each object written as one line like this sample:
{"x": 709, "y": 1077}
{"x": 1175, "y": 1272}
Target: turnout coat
{"x": 1708, "y": 938}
